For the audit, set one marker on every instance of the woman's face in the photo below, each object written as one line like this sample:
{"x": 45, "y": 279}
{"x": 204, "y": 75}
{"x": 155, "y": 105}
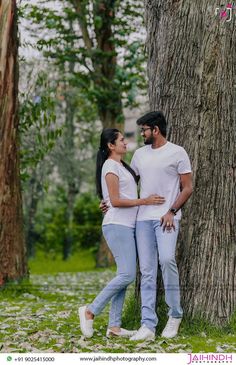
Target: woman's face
{"x": 120, "y": 145}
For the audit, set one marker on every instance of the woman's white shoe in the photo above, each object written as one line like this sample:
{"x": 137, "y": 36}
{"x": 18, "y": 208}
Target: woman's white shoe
{"x": 86, "y": 325}
{"x": 122, "y": 333}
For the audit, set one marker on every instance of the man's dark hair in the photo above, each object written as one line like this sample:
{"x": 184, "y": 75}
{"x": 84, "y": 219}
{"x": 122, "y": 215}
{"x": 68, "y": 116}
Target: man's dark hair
{"x": 154, "y": 119}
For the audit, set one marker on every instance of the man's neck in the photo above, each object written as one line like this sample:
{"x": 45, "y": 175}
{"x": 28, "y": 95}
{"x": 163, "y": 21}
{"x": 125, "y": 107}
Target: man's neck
{"x": 159, "y": 142}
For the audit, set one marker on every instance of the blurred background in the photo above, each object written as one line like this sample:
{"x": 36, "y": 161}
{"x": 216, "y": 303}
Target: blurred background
{"x": 82, "y": 68}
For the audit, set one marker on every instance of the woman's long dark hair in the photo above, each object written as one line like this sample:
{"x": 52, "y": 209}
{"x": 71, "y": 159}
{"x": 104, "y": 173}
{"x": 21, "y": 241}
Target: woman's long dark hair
{"x": 108, "y": 135}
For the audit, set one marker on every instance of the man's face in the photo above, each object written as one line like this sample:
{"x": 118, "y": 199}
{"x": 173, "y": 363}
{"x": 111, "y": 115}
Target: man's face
{"x": 147, "y": 134}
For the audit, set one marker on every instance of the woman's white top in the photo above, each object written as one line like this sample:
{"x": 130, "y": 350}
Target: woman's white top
{"x": 127, "y": 190}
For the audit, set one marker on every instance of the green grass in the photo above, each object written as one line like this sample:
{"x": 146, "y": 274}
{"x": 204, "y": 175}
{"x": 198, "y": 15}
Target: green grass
{"x": 195, "y": 335}
{"x": 43, "y": 263}
{"x": 189, "y": 326}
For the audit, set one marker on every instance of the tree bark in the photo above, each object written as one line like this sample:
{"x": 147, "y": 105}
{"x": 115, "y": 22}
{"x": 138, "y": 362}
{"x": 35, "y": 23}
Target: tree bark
{"x": 191, "y": 67}
{"x": 12, "y": 244}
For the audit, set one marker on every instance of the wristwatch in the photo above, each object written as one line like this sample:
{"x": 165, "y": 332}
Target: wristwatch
{"x": 173, "y": 210}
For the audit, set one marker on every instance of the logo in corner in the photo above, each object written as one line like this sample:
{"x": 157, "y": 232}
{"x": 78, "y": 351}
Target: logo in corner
{"x": 225, "y": 13}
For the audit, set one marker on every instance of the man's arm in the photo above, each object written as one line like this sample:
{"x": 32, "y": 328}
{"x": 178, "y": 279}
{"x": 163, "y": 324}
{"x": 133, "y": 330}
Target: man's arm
{"x": 186, "y": 184}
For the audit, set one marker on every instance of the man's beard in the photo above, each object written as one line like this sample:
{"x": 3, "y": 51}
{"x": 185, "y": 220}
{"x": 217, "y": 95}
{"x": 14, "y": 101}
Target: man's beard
{"x": 149, "y": 140}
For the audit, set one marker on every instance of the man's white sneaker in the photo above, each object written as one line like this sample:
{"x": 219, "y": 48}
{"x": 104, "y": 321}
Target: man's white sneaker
{"x": 86, "y": 325}
{"x": 122, "y": 333}
{"x": 143, "y": 333}
{"x": 171, "y": 328}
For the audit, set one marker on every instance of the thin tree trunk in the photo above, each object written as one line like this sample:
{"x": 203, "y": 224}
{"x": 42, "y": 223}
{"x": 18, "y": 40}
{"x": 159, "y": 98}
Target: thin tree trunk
{"x": 71, "y": 175}
{"x": 192, "y": 78}
{"x": 12, "y": 245}
{"x": 35, "y": 188}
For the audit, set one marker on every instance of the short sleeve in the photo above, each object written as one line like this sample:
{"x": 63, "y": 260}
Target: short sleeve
{"x": 183, "y": 164}
{"x": 133, "y": 164}
{"x": 110, "y": 166}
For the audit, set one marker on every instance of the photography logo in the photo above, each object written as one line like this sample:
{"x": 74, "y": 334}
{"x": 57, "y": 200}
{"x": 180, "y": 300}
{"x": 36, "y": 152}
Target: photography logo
{"x": 210, "y": 358}
{"x": 226, "y": 12}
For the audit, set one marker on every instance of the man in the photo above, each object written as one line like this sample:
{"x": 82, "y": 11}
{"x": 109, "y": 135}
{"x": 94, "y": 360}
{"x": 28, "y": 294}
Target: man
{"x": 164, "y": 169}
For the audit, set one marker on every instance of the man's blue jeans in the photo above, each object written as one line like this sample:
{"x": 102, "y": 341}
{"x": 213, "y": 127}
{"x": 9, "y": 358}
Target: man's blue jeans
{"x": 121, "y": 241}
{"x": 155, "y": 245}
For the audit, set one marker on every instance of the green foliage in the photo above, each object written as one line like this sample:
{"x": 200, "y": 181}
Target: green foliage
{"x": 52, "y": 226}
{"x": 105, "y": 43}
{"x": 86, "y": 210}
{"x": 38, "y": 128}
{"x": 88, "y": 217}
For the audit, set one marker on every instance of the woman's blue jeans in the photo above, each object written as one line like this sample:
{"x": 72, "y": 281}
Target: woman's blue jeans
{"x": 121, "y": 241}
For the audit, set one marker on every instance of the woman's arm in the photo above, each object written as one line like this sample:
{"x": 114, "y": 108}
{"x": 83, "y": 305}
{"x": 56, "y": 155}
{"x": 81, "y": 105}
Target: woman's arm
{"x": 112, "y": 181}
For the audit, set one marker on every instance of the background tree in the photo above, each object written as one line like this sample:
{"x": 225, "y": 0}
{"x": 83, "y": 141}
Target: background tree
{"x": 191, "y": 69}
{"x": 101, "y": 39}
{"x": 94, "y": 47}
{"x": 12, "y": 244}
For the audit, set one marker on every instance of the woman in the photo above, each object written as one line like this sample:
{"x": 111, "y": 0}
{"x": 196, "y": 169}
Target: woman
{"x": 117, "y": 185}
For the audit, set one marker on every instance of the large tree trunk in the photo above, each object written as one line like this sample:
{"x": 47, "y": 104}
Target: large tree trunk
{"x": 192, "y": 59}
{"x": 12, "y": 245}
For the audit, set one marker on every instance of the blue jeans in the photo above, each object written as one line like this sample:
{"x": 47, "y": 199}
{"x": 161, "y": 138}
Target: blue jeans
{"x": 153, "y": 244}
{"x": 121, "y": 241}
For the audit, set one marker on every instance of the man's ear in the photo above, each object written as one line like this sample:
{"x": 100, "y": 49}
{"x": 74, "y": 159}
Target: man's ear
{"x": 156, "y": 130}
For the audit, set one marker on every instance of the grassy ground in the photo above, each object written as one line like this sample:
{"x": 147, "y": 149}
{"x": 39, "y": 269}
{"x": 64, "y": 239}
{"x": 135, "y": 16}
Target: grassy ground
{"x": 45, "y": 263}
{"x": 40, "y": 315}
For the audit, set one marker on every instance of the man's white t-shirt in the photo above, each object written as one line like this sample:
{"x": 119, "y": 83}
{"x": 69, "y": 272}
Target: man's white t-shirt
{"x": 159, "y": 170}
{"x": 127, "y": 190}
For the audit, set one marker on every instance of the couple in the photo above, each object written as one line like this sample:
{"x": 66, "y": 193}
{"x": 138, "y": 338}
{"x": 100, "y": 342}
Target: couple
{"x": 150, "y": 223}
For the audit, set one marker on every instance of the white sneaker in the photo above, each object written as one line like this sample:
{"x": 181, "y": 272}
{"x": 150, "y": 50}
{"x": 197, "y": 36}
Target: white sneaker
{"x": 122, "y": 333}
{"x": 171, "y": 328}
{"x": 143, "y": 333}
{"x": 86, "y": 325}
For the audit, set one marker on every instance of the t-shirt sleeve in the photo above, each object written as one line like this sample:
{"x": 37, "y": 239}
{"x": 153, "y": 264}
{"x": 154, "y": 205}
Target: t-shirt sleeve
{"x": 133, "y": 164}
{"x": 183, "y": 164}
{"x": 111, "y": 167}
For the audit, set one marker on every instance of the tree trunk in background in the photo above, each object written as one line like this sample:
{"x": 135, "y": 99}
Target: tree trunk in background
{"x": 109, "y": 100}
{"x": 70, "y": 178}
{"x": 192, "y": 59}
{"x": 104, "y": 59}
{"x": 12, "y": 245}
{"x": 30, "y": 209}
{"x": 104, "y": 257}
